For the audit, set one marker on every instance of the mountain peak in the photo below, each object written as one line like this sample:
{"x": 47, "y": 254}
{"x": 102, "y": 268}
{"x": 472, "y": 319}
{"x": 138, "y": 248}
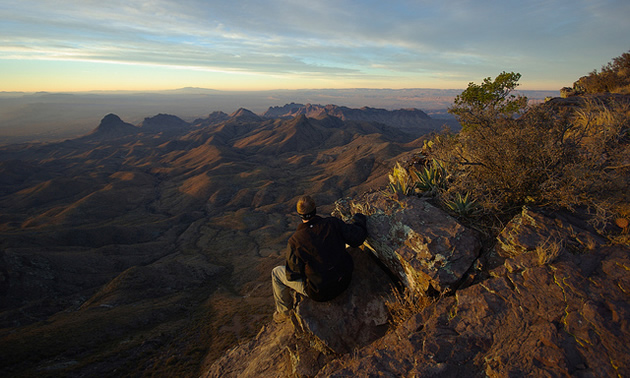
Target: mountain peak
{"x": 112, "y": 126}
{"x": 282, "y": 111}
{"x": 163, "y": 122}
{"x": 110, "y": 119}
{"x": 245, "y": 115}
{"x": 213, "y": 118}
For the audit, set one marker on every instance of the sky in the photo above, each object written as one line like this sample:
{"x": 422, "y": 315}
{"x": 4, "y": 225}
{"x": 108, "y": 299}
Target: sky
{"x": 84, "y": 45}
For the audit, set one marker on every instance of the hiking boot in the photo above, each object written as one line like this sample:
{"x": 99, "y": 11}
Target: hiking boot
{"x": 280, "y": 317}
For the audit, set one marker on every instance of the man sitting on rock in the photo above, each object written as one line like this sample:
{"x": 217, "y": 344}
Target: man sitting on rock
{"x": 317, "y": 263}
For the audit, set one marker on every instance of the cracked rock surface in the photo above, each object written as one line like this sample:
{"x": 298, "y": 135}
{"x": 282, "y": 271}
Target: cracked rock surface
{"x": 569, "y": 317}
{"x": 424, "y": 246}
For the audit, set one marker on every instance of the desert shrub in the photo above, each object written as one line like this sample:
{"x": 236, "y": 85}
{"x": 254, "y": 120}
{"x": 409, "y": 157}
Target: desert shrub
{"x": 546, "y": 157}
{"x": 408, "y": 180}
{"x": 502, "y": 164}
{"x": 462, "y": 205}
{"x": 596, "y": 173}
{"x": 481, "y": 105}
{"x": 613, "y": 77}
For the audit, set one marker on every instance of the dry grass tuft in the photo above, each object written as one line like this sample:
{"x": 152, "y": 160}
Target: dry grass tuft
{"x": 403, "y": 305}
{"x": 548, "y": 252}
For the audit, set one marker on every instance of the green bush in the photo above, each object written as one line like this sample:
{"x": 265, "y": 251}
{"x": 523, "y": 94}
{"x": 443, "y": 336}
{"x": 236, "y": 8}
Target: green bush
{"x": 481, "y": 105}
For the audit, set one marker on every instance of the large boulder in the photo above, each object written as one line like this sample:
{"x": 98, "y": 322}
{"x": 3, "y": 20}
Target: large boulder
{"x": 356, "y": 317}
{"x": 318, "y": 331}
{"x": 423, "y": 246}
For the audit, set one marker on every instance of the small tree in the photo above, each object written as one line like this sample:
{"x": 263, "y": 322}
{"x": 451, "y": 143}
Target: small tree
{"x": 484, "y": 104}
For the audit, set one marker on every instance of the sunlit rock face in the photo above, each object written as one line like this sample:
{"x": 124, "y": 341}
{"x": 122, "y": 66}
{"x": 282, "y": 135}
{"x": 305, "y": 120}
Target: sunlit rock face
{"x": 423, "y": 246}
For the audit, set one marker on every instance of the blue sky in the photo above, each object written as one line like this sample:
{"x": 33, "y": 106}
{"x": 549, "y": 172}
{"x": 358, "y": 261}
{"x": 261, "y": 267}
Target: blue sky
{"x": 280, "y": 44}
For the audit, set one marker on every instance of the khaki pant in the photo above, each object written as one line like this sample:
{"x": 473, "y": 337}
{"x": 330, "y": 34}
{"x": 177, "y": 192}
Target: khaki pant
{"x": 282, "y": 289}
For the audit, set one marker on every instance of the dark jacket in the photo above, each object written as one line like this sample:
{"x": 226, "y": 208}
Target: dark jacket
{"x": 316, "y": 253}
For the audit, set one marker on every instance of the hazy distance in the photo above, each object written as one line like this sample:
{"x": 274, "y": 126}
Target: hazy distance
{"x": 49, "y": 116}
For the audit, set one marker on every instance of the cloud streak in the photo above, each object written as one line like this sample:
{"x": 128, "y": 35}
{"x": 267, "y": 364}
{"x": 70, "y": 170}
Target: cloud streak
{"x": 456, "y": 41}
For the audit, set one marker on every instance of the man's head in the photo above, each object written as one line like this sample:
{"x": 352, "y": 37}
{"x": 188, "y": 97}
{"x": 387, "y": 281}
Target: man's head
{"x": 306, "y": 207}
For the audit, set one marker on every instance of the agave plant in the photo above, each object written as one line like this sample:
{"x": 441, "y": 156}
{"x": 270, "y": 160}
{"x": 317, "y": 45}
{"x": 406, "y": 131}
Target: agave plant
{"x": 400, "y": 181}
{"x": 462, "y": 205}
{"x": 431, "y": 178}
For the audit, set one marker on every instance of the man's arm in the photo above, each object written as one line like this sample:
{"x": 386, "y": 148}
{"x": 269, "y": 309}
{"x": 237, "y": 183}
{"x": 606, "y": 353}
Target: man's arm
{"x": 294, "y": 265}
{"x": 355, "y": 232}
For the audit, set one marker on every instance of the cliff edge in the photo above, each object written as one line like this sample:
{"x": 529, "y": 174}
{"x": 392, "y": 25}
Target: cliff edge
{"x": 551, "y": 298}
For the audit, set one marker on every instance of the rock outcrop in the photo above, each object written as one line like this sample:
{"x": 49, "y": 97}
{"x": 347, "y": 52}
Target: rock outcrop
{"x": 532, "y": 317}
{"x": 427, "y": 249}
{"x": 405, "y": 236}
{"x": 559, "y": 305}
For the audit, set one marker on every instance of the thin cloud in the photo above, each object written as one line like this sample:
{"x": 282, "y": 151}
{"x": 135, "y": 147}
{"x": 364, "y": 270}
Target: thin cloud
{"x": 358, "y": 38}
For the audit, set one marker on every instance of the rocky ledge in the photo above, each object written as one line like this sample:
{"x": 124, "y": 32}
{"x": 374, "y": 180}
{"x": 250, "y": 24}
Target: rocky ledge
{"x": 557, "y": 305}
{"x": 427, "y": 250}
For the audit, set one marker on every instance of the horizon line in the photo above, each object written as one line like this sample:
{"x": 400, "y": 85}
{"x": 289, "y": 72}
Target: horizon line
{"x": 252, "y": 90}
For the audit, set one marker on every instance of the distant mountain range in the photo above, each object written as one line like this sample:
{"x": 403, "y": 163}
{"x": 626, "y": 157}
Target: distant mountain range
{"x": 44, "y": 117}
{"x": 412, "y": 121}
{"x": 364, "y": 114}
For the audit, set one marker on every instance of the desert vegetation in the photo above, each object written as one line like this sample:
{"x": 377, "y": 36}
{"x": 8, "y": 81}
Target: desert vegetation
{"x": 613, "y": 77}
{"x": 555, "y": 155}
{"x": 560, "y": 156}
{"x": 402, "y": 304}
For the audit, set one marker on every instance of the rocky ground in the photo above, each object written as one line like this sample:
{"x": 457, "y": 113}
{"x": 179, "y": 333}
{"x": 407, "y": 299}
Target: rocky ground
{"x": 551, "y": 299}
